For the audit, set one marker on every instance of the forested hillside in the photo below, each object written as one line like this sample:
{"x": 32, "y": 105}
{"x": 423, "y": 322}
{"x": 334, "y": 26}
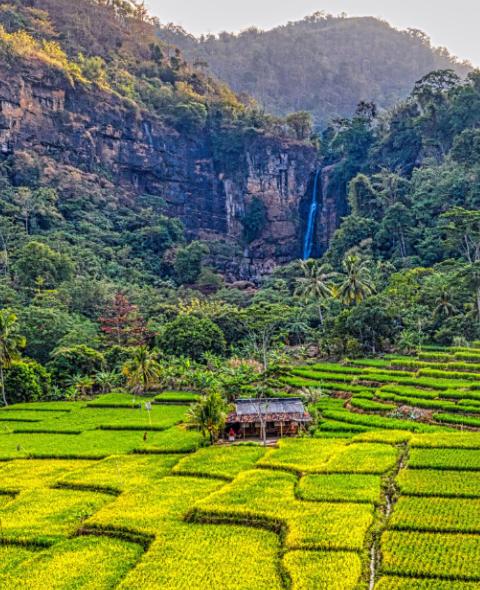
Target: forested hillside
{"x": 132, "y": 184}
{"x": 412, "y": 229}
{"x": 152, "y": 226}
{"x": 115, "y": 152}
{"x": 323, "y": 64}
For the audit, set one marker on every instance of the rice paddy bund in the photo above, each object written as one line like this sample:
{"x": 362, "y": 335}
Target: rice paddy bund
{"x": 383, "y": 494}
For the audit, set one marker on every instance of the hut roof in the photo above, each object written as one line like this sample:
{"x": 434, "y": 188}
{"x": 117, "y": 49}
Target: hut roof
{"x": 271, "y": 409}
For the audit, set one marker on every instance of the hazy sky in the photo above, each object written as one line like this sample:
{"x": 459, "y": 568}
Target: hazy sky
{"x": 451, "y": 23}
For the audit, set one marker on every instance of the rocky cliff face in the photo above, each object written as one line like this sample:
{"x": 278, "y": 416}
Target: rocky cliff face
{"x": 279, "y": 174}
{"x": 96, "y": 137}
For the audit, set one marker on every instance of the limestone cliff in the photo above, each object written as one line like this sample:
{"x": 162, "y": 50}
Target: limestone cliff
{"x": 85, "y": 133}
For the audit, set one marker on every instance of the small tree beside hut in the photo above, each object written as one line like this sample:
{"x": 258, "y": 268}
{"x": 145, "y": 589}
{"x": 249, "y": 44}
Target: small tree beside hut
{"x": 208, "y": 416}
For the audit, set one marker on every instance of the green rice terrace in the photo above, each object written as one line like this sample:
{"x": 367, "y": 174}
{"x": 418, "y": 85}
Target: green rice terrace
{"x": 382, "y": 493}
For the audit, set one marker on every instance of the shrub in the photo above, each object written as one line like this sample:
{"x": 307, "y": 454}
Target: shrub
{"x": 81, "y": 359}
{"x": 116, "y": 356}
{"x": 27, "y": 381}
{"x": 193, "y": 337}
{"x": 38, "y": 262}
{"x": 188, "y": 262}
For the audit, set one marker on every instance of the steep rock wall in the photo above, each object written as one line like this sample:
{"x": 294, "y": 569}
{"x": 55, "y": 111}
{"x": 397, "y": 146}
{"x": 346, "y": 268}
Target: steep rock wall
{"x": 84, "y": 133}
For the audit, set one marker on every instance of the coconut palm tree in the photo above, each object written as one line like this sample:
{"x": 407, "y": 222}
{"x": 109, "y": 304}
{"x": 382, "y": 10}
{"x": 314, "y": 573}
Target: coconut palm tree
{"x": 315, "y": 285}
{"x": 10, "y": 343}
{"x": 142, "y": 371}
{"x": 357, "y": 283}
{"x": 298, "y": 326}
{"x": 443, "y": 305}
{"x": 208, "y": 415}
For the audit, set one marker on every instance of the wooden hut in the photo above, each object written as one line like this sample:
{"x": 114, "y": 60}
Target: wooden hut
{"x": 274, "y": 417}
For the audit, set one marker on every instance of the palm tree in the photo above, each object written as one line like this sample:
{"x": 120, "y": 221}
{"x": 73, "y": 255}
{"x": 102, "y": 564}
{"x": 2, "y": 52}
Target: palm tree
{"x": 314, "y": 286}
{"x": 142, "y": 370}
{"x": 357, "y": 284}
{"x": 107, "y": 380}
{"x": 10, "y": 343}
{"x": 298, "y": 326}
{"x": 443, "y": 305}
{"x": 82, "y": 385}
{"x": 208, "y": 415}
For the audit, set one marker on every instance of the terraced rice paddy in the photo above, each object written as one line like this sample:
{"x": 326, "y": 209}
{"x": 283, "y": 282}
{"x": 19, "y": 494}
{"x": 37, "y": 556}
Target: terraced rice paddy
{"x": 107, "y": 495}
{"x": 436, "y": 389}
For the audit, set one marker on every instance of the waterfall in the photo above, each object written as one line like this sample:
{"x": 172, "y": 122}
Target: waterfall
{"x": 312, "y": 214}
{"x": 148, "y": 134}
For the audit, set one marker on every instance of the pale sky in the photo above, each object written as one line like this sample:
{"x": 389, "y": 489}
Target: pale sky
{"x": 450, "y": 23}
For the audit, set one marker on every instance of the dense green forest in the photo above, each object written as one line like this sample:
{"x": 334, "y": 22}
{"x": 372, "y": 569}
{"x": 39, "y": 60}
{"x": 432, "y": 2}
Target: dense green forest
{"x": 96, "y": 288}
{"x": 184, "y": 402}
{"x": 89, "y": 274}
{"x": 412, "y": 185}
{"x": 323, "y": 64}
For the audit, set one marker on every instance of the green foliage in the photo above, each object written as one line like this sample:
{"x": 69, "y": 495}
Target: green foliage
{"x": 188, "y": 262}
{"x": 308, "y": 62}
{"x": 208, "y": 415}
{"x": 39, "y": 266}
{"x": 77, "y": 360}
{"x": 44, "y": 328}
{"x": 301, "y": 124}
{"x": 142, "y": 371}
{"x": 466, "y": 147}
{"x": 26, "y": 381}
{"x": 192, "y": 337}
{"x": 357, "y": 284}
{"x": 116, "y": 357}
{"x": 10, "y": 344}
{"x": 254, "y": 220}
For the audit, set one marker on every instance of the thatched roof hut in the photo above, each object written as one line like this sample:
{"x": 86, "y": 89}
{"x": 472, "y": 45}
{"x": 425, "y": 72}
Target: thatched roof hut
{"x": 278, "y": 416}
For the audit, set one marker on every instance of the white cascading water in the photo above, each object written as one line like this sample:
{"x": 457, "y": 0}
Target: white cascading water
{"x": 148, "y": 134}
{"x": 312, "y": 214}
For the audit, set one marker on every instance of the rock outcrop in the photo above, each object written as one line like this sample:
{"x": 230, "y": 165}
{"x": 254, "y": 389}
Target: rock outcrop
{"x": 82, "y": 132}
